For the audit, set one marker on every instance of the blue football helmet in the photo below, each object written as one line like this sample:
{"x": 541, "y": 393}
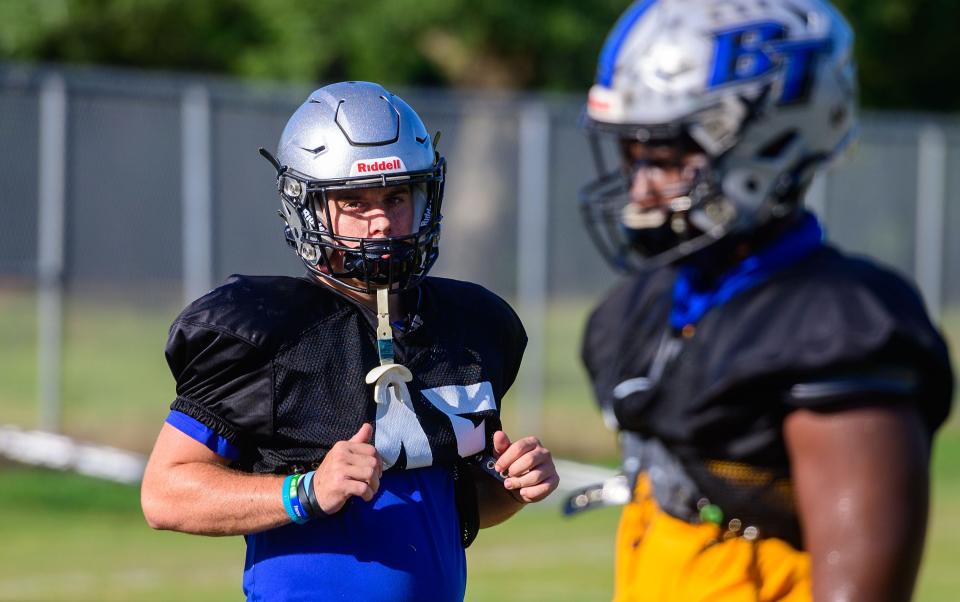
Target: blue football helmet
{"x": 764, "y": 89}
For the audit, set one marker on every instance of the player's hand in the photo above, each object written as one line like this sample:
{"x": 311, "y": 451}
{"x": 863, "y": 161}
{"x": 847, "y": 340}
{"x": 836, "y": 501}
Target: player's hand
{"x": 350, "y": 468}
{"x": 528, "y": 464}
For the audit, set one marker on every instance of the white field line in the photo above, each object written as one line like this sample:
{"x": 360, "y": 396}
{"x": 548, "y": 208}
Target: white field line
{"x": 50, "y": 450}
{"x": 574, "y": 475}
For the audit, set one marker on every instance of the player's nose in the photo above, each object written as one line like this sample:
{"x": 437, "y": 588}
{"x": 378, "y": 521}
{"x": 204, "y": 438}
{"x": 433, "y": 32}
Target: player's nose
{"x": 645, "y": 186}
{"x": 381, "y": 226}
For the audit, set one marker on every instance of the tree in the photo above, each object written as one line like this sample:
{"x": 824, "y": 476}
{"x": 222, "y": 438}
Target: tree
{"x": 904, "y": 48}
{"x": 906, "y": 52}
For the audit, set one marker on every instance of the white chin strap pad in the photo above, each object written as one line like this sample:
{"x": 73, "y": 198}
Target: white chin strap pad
{"x": 398, "y": 427}
{"x": 379, "y": 374}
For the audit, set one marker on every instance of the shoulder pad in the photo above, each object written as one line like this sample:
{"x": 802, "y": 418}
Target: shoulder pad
{"x": 837, "y": 312}
{"x": 836, "y": 308}
{"x": 479, "y": 315}
{"x": 260, "y": 309}
{"x": 474, "y": 303}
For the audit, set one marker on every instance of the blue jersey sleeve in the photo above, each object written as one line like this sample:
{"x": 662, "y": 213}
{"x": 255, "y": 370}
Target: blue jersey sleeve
{"x": 202, "y": 433}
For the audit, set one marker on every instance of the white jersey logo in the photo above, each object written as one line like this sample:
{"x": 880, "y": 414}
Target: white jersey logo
{"x": 398, "y": 426}
{"x": 455, "y": 400}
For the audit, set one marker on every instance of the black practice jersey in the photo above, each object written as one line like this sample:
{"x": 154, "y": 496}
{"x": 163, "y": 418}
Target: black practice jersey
{"x": 828, "y": 330}
{"x": 276, "y": 366}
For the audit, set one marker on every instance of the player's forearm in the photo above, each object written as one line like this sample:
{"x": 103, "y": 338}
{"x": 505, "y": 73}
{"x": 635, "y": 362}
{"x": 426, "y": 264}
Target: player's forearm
{"x": 494, "y": 503}
{"x": 208, "y": 499}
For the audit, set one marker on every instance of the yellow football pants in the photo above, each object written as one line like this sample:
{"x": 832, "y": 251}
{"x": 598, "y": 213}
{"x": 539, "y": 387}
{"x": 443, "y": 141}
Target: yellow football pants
{"x": 664, "y": 559}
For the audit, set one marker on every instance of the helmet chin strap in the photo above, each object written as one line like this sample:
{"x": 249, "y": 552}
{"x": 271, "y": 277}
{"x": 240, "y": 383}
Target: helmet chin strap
{"x": 395, "y": 407}
{"x": 389, "y": 379}
{"x": 384, "y": 331}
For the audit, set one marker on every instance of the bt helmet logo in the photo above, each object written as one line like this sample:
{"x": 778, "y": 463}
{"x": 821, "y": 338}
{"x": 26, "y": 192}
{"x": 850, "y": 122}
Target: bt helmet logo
{"x": 754, "y": 50}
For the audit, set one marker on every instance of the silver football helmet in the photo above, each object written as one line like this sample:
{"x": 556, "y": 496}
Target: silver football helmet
{"x": 358, "y": 135}
{"x": 765, "y": 89}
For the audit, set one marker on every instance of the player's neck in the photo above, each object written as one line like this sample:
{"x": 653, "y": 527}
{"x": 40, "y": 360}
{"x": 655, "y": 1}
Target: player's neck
{"x": 368, "y": 300}
{"x": 712, "y": 263}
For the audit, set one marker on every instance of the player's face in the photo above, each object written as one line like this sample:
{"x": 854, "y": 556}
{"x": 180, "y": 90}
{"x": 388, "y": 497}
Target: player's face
{"x": 371, "y": 212}
{"x": 661, "y": 172}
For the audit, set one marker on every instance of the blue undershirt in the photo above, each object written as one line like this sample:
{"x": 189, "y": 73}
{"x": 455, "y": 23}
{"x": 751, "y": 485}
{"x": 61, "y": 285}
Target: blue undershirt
{"x": 403, "y": 545}
{"x": 691, "y": 301}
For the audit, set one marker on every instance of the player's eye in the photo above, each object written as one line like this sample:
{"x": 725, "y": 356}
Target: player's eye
{"x": 395, "y": 200}
{"x": 351, "y": 205}
{"x": 661, "y": 163}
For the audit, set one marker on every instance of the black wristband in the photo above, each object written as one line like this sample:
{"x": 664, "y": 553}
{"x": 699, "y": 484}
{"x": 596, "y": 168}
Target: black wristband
{"x": 308, "y": 497}
{"x": 302, "y": 495}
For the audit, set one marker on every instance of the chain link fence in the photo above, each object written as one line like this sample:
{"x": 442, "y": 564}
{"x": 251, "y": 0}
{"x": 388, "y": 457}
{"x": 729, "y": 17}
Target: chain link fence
{"x": 151, "y": 191}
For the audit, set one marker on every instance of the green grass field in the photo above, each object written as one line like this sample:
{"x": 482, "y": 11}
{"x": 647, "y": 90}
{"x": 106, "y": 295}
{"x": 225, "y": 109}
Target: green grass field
{"x": 72, "y": 538}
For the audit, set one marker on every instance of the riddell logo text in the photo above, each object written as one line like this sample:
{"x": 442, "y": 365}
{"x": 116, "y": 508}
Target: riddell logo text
{"x": 371, "y": 166}
{"x": 378, "y": 166}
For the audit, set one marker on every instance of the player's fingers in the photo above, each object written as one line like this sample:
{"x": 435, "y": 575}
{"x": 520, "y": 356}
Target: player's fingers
{"x": 365, "y": 460}
{"x": 360, "y": 489}
{"x": 530, "y": 479}
{"x": 365, "y": 472}
{"x": 364, "y": 435}
{"x": 500, "y": 443}
{"x": 516, "y": 449}
{"x": 337, "y": 458}
{"x": 333, "y": 492}
{"x": 530, "y": 460}
{"x": 359, "y": 452}
{"x": 364, "y": 454}
{"x": 352, "y": 487}
{"x": 346, "y": 450}
{"x": 541, "y": 490}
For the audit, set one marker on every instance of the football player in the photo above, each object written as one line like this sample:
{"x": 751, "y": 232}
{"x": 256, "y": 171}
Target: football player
{"x": 347, "y": 422}
{"x": 776, "y": 397}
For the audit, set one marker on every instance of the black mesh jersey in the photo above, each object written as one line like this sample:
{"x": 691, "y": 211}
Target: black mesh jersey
{"x": 276, "y": 366}
{"x": 827, "y": 330}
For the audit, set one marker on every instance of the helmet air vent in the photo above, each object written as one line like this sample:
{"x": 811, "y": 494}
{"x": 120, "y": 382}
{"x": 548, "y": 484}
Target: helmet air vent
{"x": 367, "y": 121}
{"x": 775, "y": 147}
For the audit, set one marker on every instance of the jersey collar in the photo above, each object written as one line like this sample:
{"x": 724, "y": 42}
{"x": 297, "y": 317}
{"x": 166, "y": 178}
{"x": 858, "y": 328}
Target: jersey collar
{"x": 690, "y": 302}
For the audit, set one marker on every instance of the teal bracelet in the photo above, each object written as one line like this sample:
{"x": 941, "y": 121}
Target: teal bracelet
{"x": 285, "y": 494}
{"x": 290, "y": 484}
{"x": 295, "y": 502}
